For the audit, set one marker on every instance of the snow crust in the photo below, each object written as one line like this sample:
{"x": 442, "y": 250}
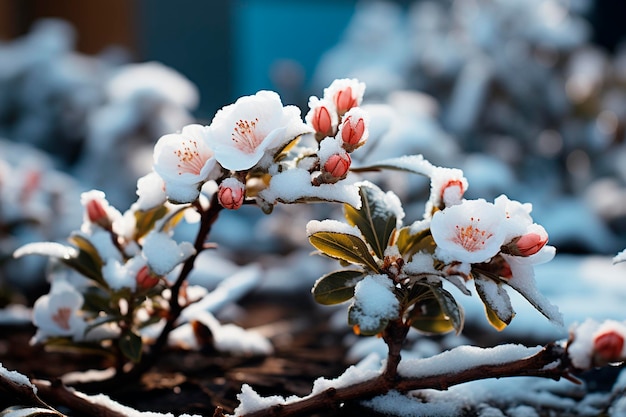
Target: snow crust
{"x": 334, "y": 226}
{"x": 294, "y": 184}
{"x": 464, "y": 357}
{"x": 16, "y": 377}
{"x": 374, "y": 302}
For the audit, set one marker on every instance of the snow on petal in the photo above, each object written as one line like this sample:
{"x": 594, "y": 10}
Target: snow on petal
{"x": 523, "y": 281}
{"x": 163, "y": 253}
{"x": 150, "y": 191}
{"x": 55, "y": 314}
{"x": 345, "y": 94}
{"x": 447, "y": 186}
{"x": 468, "y": 232}
{"x": 184, "y": 161}
{"x": 243, "y": 132}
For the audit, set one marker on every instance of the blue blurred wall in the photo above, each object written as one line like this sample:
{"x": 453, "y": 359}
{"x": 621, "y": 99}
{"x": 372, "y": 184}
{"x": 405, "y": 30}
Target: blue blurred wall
{"x": 230, "y": 48}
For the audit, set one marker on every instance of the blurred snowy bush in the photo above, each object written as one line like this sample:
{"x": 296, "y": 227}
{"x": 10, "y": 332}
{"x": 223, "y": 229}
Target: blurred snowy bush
{"x": 512, "y": 92}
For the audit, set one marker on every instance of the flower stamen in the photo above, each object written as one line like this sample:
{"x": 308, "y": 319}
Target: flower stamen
{"x": 244, "y": 135}
{"x": 470, "y": 237}
{"x": 190, "y": 160}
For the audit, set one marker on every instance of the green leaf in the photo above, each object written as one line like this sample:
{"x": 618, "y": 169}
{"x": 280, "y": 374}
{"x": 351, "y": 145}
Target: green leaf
{"x": 344, "y": 246}
{"x": 497, "y": 303}
{"x": 97, "y": 300}
{"x": 146, "y": 219}
{"x": 336, "y": 287}
{"x": 88, "y": 262}
{"x": 436, "y": 312}
{"x": 65, "y": 344}
{"x": 376, "y": 218}
{"x": 83, "y": 258}
{"x": 409, "y": 244}
{"x": 131, "y": 345}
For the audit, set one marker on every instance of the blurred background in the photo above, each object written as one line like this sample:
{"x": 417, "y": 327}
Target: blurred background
{"x": 528, "y": 97}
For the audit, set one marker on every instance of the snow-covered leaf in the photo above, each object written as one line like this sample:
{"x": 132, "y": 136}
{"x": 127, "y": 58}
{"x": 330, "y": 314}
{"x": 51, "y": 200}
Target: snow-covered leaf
{"x": 376, "y": 219}
{"x": 336, "y": 287}
{"x": 344, "y": 246}
{"x": 52, "y": 249}
{"x": 415, "y": 164}
{"x": 496, "y": 300}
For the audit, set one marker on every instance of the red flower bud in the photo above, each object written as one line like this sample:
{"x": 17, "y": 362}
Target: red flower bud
{"x": 608, "y": 346}
{"x": 337, "y": 165}
{"x": 231, "y": 193}
{"x": 352, "y": 131}
{"x": 322, "y": 122}
{"x": 146, "y": 279}
{"x": 97, "y": 214}
{"x": 344, "y": 100}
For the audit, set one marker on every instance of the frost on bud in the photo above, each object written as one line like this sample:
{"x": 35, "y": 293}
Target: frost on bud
{"x": 337, "y": 165}
{"x": 528, "y": 244}
{"x": 608, "y": 346}
{"x": 146, "y": 279}
{"x": 452, "y": 192}
{"x": 322, "y": 117}
{"x": 345, "y": 94}
{"x": 231, "y": 193}
{"x": 96, "y": 206}
{"x": 353, "y": 129}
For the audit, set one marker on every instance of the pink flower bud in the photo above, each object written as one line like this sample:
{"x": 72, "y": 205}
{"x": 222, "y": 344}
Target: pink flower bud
{"x": 231, "y": 193}
{"x": 337, "y": 165}
{"x": 608, "y": 346}
{"x": 146, "y": 279}
{"x": 528, "y": 244}
{"x": 322, "y": 121}
{"x": 345, "y": 100}
{"x": 96, "y": 213}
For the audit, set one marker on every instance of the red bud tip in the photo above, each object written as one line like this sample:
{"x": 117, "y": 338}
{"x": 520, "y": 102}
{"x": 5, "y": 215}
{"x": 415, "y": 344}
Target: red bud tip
{"x": 609, "y": 346}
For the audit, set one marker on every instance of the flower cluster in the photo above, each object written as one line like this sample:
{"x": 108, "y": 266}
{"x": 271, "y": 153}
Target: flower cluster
{"x": 126, "y": 269}
{"x": 457, "y": 240}
{"x": 255, "y": 139}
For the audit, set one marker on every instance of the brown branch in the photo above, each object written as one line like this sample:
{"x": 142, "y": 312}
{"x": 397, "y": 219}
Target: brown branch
{"x": 535, "y": 365}
{"x": 23, "y": 394}
{"x": 57, "y": 393}
{"x": 207, "y": 219}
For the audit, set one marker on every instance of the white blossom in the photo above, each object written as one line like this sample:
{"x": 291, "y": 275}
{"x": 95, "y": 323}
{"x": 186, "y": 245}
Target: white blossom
{"x": 244, "y": 132}
{"x": 184, "y": 161}
{"x": 56, "y": 313}
{"x": 468, "y": 232}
